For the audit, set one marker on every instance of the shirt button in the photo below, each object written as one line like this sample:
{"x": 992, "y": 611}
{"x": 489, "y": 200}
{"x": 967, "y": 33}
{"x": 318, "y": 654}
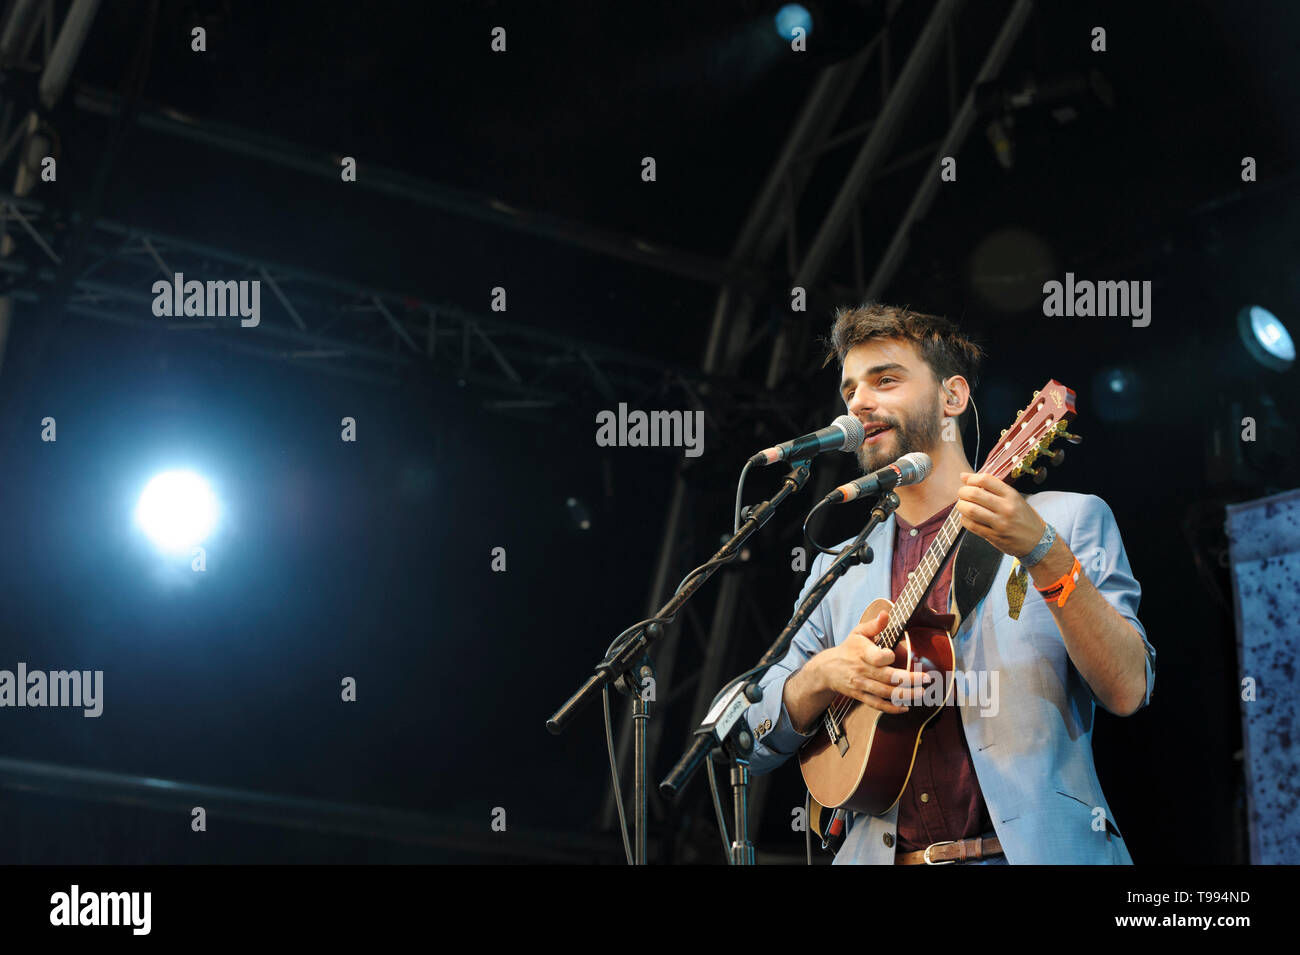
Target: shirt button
{"x": 912, "y": 532}
{"x": 925, "y": 797}
{"x": 889, "y": 840}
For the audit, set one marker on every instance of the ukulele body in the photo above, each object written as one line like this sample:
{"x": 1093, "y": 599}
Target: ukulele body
{"x": 863, "y": 763}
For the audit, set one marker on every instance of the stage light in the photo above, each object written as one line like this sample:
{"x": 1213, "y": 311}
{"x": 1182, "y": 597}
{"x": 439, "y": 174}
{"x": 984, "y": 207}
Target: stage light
{"x": 790, "y": 17}
{"x": 177, "y": 511}
{"x": 1266, "y": 338}
{"x": 1117, "y": 394}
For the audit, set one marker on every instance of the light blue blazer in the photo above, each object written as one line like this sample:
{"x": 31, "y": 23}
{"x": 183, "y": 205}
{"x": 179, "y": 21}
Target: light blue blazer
{"x": 1032, "y": 750}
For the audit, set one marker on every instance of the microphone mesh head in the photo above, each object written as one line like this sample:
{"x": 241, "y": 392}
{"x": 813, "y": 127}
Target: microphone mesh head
{"x": 854, "y": 433}
{"x": 921, "y": 461}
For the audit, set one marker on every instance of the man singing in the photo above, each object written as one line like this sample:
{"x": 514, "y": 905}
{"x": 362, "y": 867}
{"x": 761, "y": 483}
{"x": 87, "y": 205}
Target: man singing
{"x": 1010, "y": 780}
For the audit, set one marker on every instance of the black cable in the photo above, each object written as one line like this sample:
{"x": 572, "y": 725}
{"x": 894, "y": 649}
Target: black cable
{"x": 740, "y": 490}
{"x": 630, "y": 633}
{"x": 613, "y": 771}
{"x": 717, "y": 810}
{"x": 808, "y": 535}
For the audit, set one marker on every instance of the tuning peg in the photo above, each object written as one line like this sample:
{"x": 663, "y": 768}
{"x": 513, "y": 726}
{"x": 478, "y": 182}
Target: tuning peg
{"x": 1040, "y": 475}
{"x": 1057, "y": 458}
{"x": 1022, "y": 466}
{"x": 1072, "y": 438}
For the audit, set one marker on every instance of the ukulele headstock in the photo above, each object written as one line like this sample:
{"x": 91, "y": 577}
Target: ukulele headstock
{"x": 1031, "y": 436}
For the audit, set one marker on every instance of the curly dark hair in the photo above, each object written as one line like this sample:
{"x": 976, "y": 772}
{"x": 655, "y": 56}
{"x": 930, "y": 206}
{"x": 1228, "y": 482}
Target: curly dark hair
{"x": 940, "y": 343}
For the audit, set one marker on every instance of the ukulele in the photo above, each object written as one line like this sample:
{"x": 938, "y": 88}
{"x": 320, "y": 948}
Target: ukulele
{"x": 860, "y": 758}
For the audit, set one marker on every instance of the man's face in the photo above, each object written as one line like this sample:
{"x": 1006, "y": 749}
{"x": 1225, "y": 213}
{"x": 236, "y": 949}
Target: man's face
{"x": 885, "y": 382}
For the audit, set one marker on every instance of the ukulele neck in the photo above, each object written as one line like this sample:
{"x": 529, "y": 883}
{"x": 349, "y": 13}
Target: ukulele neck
{"x": 919, "y": 582}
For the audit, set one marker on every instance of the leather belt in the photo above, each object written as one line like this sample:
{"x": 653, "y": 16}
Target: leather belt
{"x": 944, "y": 853}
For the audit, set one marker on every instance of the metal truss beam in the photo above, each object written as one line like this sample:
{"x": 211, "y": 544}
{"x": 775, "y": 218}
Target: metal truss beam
{"x": 957, "y": 133}
{"x": 23, "y": 20}
{"x": 389, "y": 182}
{"x": 343, "y": 328}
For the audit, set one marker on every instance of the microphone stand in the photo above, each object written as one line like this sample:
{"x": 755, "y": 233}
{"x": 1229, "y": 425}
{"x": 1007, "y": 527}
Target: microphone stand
{"x": 724, "y": 727}
{"x": 631, "y": 654}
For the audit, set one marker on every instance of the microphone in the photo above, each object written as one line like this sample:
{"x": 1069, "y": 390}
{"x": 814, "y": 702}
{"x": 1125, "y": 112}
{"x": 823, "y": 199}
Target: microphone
{"x": 845, "y": 433}
{"x": 909, "y": 469}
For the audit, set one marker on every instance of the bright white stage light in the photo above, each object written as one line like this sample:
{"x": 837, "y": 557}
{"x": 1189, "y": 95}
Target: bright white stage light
{"x": 177, "y": 511}
{"x": 1266, "y": 338}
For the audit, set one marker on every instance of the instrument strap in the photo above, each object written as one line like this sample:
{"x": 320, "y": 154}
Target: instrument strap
{"x": 973, "y": 572}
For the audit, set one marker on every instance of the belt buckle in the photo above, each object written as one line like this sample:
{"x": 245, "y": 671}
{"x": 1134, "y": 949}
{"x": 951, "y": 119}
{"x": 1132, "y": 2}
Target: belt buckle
{"x": 935, "y": 845}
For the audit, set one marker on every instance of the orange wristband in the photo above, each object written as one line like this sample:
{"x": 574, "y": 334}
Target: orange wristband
{"x": 1060, "y": 590}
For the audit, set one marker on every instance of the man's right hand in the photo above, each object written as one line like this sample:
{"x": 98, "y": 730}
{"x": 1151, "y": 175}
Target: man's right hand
{"x": 858, "y": 669}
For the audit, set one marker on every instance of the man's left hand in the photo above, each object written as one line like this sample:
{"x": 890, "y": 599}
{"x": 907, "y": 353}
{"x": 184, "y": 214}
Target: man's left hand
{"x": 996, "y": 512}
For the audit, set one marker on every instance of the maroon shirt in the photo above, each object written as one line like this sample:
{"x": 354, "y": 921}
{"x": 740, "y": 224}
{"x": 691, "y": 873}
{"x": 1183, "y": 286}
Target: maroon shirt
{"x": 942, "y": 800}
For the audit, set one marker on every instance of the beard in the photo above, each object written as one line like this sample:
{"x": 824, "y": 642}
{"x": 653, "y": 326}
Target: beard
{"x": 915, "y": 431}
